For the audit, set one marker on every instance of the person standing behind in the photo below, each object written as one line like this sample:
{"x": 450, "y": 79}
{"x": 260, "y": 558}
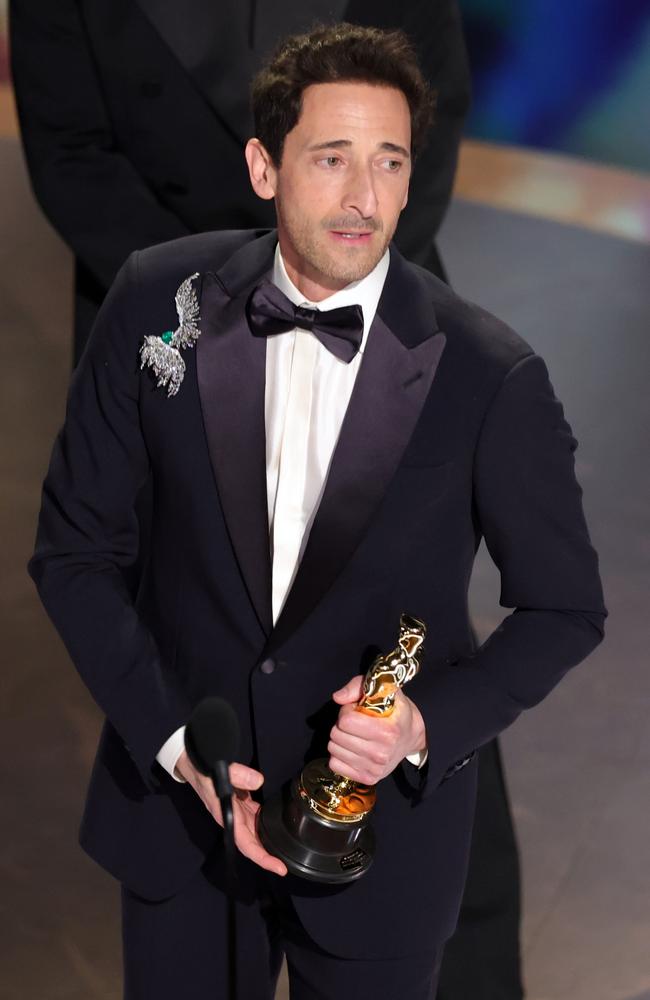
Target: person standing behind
{"x": 134, "y": 116}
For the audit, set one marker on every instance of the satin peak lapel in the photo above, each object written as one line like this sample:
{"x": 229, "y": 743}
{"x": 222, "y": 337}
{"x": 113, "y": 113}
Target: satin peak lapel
{"x": 231, "y": 369}
{"x": 392, "y": 385}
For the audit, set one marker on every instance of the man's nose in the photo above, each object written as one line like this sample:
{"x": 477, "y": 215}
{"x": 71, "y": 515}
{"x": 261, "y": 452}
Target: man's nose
{"x": 360, "y": 195}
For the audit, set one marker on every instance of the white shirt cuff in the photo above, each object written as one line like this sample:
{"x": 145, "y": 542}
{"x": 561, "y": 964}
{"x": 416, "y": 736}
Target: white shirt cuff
{"x": 419, "y": 759}
{"x": 170, "y": 751}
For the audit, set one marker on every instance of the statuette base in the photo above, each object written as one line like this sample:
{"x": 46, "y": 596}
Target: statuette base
{"x": 311, "y": 846}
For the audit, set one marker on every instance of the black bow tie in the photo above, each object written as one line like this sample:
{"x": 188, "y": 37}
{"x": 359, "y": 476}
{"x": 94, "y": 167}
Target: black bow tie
{"x": 339, "y": 330}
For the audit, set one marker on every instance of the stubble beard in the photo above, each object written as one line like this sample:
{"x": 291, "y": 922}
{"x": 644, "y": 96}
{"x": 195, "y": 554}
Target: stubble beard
{"x": 338, "y": 266}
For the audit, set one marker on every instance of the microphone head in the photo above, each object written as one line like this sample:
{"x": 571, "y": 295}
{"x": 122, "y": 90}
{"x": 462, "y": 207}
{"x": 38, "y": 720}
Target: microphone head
{"x": 212, "y": 734}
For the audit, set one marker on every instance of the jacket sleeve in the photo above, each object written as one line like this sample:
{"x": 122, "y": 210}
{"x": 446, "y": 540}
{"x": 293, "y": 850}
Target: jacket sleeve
{"x": 443, "y": 56}
{"x": 88, "y": 535}
{"x": 528, "y": 507}
{"x": 86, "y": 186}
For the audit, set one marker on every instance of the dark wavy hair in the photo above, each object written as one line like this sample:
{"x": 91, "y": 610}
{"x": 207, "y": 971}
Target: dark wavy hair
{"x": 337, "y": 53}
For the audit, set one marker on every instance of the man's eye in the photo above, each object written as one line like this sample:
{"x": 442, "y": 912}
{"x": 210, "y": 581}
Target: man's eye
{"x": 393, "y": 165}
{"x": 331, "y": 161}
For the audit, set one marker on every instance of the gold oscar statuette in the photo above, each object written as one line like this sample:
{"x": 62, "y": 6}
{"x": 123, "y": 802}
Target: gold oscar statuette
{"x": 320, "y": 826}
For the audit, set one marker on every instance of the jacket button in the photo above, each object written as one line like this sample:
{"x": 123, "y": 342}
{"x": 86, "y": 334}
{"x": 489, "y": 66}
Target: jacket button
{"x": 267, "y": 666}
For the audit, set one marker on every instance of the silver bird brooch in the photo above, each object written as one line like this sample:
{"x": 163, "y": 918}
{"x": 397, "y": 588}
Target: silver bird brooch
{"x": 163, "y": 353}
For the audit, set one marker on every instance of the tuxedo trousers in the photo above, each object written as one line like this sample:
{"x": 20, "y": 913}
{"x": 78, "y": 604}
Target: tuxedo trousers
{"x": 199, "y": 946}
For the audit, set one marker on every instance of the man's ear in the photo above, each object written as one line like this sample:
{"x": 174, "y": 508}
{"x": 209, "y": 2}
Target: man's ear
{"x": 261, "y": 170}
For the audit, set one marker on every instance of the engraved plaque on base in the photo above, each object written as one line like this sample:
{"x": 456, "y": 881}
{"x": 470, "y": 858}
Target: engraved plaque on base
{"x": 320, "y": 826}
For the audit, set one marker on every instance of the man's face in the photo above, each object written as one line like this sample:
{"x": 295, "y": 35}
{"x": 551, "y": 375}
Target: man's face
{"x": 342, "y": 183}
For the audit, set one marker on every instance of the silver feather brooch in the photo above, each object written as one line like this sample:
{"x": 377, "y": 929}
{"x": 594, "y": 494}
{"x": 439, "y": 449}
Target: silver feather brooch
{"x": 162, "y": 354}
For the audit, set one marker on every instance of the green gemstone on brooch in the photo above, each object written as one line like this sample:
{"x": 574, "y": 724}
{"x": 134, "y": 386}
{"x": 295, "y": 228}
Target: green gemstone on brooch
{"x": 167, "y": 336}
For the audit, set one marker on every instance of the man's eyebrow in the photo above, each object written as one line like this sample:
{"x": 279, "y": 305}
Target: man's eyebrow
{"x": 330, "y": 144}
{"x": 392, "y": 147}
{"x": 388, "y": 147}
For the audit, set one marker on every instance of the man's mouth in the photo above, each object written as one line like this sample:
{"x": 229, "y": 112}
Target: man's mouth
{"x": 351, "y": 236}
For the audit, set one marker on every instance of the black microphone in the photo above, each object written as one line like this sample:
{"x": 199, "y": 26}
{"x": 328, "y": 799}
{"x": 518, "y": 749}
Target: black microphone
{"x": 212, "y": 737}
{"x": 212, "y": 742}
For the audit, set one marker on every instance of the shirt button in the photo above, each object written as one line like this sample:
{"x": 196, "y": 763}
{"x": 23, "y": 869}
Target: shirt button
{"x": 267, "y": 666}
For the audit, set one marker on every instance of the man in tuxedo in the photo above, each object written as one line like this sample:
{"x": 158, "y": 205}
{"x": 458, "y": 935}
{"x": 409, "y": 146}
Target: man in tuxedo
{"x": 313, "y": 477}
{"x": 134, "y": 117}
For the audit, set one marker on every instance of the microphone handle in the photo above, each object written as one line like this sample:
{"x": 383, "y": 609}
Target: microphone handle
{"x": 221, "y": 779}
{"x": 223, "y": 788}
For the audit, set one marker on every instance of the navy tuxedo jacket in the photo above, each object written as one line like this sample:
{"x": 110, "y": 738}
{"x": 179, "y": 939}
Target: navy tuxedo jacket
{"x": 452, "y": 433}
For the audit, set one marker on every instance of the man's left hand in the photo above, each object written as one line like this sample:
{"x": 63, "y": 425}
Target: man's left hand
{"x": 367, "y": 748}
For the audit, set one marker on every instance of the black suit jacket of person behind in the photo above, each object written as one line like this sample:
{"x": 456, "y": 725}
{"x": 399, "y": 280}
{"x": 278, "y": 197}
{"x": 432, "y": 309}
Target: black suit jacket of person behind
{"x": 452, "y": 433}
{"x": 134, "y": 117}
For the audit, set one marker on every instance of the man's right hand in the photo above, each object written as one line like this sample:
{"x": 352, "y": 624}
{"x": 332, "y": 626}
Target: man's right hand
{"x": 244, "y": 780}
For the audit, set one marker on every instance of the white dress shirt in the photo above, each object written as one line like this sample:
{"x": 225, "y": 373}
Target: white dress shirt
{"x": 307, "y": 393}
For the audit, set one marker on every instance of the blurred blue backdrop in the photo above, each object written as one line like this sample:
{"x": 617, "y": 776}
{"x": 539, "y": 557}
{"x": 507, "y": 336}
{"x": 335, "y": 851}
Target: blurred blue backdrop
{"x": 567, "y": 75}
